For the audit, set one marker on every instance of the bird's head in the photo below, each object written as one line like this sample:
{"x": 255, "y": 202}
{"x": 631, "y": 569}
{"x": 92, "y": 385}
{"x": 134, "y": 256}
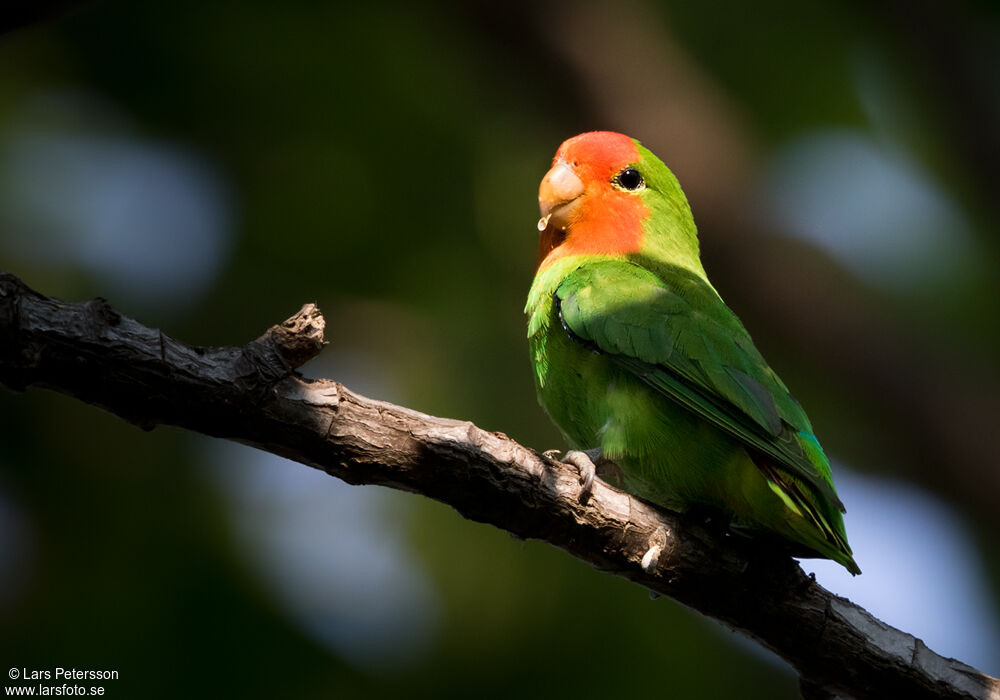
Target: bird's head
{"x": 606, "y": 194}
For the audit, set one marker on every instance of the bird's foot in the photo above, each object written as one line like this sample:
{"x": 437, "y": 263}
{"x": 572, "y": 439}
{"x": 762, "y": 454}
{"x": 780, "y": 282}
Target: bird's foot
{"x": 584, "y": 462}
{"x": 588, "y": 470}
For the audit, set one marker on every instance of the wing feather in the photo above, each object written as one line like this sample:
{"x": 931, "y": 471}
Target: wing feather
{"x": 671, "y": 329}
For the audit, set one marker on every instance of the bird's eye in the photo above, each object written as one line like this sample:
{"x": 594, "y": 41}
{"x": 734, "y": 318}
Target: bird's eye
{"x": 629, "y": 179}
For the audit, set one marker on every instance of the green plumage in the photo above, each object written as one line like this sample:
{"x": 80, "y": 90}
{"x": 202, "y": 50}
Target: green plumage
{"x": 636, "y": 353}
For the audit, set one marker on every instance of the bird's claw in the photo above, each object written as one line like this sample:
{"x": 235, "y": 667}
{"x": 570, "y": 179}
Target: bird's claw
{"x": 588, "y": 471}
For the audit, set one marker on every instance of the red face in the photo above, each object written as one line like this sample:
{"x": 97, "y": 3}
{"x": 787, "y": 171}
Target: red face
{"x": 598, "y": 155}
{"x": 587, "y": 199}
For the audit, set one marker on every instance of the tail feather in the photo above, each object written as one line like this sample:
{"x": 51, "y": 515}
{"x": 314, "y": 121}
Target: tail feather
{"x": 830, "y": 542}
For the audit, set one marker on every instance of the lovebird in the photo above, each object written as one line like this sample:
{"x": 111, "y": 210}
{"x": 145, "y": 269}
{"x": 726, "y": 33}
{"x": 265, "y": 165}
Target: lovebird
{"x": 639, "y": 361}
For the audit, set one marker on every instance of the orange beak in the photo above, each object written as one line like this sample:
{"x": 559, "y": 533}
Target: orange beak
{"x": 558, "y": 196}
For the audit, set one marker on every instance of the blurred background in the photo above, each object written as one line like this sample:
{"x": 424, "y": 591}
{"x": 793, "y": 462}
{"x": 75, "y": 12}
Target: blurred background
{"x": 210, "y": 166}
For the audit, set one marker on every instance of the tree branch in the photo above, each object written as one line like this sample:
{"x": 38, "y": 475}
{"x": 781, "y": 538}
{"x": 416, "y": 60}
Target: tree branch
{"x": 252, "y": 394}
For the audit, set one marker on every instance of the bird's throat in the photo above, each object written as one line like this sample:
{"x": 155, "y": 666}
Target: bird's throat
{"x": 612, "y": 226}
{"x": 549, "y": 239}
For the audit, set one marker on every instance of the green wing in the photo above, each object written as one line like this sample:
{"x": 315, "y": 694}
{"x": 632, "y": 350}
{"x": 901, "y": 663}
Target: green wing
{"x": 675, "y": 332}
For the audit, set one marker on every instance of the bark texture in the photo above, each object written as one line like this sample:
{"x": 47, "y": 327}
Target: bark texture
{"x": 253, "y": 394}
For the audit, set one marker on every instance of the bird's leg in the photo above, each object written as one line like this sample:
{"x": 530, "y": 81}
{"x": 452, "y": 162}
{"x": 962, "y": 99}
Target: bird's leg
{"x": 584, "y": 462}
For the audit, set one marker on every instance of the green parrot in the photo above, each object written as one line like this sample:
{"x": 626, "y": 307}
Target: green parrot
{"x": 639, "y": 361}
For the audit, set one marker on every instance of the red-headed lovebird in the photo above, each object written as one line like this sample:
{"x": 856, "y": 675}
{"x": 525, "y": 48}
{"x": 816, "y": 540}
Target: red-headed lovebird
{"x": 638, "y": 359}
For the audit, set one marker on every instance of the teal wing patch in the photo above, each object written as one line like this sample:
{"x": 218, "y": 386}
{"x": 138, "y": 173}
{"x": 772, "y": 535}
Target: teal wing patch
{"x": 674, "y": 331}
